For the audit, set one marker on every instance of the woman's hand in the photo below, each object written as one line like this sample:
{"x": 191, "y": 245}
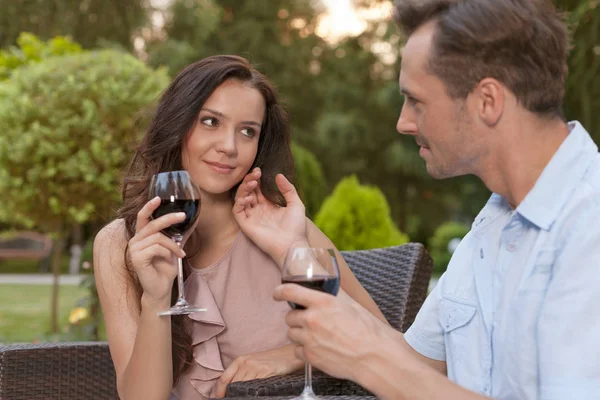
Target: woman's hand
{"x": 152, "y": 254}
{"x": 265, "y": 364}
{"x": 271, "y": 227}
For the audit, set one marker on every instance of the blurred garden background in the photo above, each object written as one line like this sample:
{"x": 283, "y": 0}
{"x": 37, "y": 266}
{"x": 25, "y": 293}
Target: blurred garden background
{"x": 78, "y": 79}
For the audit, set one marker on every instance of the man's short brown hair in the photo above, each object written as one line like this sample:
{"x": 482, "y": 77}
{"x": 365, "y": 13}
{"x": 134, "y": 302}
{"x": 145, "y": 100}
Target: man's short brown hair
{"x": 523, "y": 44}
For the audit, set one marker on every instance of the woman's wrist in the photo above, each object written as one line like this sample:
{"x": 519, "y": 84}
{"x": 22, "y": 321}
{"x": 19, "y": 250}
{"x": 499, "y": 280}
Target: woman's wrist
{"x": 152, "y": 305}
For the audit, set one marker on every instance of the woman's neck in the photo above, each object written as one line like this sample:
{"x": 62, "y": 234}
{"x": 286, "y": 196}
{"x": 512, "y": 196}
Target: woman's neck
{"x": 216, "y": 222}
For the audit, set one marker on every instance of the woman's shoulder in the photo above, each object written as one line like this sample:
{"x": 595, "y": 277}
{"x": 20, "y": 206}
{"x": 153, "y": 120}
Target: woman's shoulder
{"x": 110, "y": 244}
{"x": 111, "y": 234}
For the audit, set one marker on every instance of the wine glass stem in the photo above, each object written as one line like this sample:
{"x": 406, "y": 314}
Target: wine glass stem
{"x": 178, "y": 240}
{"x": 308, "y": 378}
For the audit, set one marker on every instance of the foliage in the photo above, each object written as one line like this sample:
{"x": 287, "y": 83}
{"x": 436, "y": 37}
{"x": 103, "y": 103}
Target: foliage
{"x": 342, "y": 96}
{"x": 310, "y": 180}
{"x": 582, "y": 97}
{"x": 67, "y": 126}
{"x": 85, "y": 318}
{"x": 357, "y": 217}
{"x": 31, "y": 49}
{"x": 438, "y": 244}
{"x": 89, "y": 22}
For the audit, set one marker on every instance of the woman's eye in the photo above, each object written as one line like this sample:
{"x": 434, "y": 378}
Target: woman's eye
{"x": 248, "y": 132}
{"x": 209, "y": 121}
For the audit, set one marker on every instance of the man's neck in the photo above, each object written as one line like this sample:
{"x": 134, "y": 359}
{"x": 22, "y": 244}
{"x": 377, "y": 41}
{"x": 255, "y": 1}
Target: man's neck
{"x": 519, "y": 155}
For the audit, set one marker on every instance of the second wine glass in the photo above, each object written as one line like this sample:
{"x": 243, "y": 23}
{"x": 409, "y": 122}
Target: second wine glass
{"x": 177, "y": 194}
{"x": 317, "y": 269}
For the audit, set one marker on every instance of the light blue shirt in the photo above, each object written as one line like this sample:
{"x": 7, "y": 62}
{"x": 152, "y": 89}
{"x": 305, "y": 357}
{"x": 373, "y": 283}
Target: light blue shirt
{"x": 517, "y": 313}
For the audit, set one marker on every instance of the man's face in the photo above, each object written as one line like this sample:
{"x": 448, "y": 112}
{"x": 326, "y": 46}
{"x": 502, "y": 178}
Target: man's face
{"x": 442, "y": 126}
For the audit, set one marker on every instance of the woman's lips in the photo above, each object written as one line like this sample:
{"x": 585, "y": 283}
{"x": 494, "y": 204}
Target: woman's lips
{"x": 220, "y": 168}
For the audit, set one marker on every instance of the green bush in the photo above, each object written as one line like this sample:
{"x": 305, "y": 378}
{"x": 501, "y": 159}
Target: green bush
{"x": 310, "y": 180}
{"x": 68, "y": 124}
{"x": 357, "y": 217}
{"x": 438, "y": 244}
{"x": 31, "y": 49}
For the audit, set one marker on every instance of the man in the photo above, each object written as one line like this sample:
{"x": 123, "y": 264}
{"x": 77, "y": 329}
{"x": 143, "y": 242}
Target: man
{"x": 514, "y": 315}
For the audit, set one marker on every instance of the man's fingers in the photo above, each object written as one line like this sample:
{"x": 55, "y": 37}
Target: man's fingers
{"x": 300, "y": 352}
{"x": 300, "y": 295}
{"x": 297, "y": 335}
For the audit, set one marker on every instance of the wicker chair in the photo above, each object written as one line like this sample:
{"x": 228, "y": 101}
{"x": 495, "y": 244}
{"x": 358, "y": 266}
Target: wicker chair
{"x": 65, "y": 371}
{"x": 397, "y": 278}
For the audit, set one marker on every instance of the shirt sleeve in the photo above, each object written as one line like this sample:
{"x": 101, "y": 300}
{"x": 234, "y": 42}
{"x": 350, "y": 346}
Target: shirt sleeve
{"x": 426, "y": 335}
{"x": 568, "y": 329}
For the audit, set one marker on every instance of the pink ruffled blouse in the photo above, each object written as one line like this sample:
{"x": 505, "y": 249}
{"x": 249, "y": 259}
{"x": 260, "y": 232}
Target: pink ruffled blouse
{"x": 242, "y": 317}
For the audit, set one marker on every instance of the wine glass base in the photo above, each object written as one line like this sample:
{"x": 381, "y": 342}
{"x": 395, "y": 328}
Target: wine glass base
{"x": 181, "y": 308}
{"x": 307, "y": 394}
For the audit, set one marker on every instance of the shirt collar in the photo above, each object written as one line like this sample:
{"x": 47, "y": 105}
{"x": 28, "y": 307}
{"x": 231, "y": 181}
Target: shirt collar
{"x": 495, "y": 207}
{"x": 542, "y": 205}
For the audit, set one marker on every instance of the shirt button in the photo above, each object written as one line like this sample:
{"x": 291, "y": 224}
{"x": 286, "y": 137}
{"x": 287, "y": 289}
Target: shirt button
{"x": 511, "y": 247}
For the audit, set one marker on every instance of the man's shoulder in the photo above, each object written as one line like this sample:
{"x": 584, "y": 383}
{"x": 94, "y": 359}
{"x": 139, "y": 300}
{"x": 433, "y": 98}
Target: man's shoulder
{"x": 591, "y": 178}
{"x": 581, "y": 214}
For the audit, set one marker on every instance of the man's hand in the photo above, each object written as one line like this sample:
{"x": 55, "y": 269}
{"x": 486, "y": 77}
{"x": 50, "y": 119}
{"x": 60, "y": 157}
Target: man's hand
{"x": 334, "y": 333}
{"x": 265, "y": 364}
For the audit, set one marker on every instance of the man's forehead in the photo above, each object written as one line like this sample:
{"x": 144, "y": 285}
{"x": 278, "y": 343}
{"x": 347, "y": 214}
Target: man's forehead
{"x": 415, "y": 54}
{"x": 417, "y": 47}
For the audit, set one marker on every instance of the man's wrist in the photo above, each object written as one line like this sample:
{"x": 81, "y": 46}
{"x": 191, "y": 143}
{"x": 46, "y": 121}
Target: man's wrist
{"x": 380, "y": 363}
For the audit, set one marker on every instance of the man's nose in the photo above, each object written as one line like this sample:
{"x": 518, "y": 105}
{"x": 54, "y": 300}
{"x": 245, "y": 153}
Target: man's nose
{"x": 406, "y": 124}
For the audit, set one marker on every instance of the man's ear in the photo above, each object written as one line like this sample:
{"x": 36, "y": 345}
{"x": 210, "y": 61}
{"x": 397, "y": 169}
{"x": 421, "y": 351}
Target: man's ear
{"x": 490, "y": 99}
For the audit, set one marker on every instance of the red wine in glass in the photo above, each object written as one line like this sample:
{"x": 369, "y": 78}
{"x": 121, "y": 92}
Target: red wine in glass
{"x": 190, "y": 207}
{"x": 322, "y": 283}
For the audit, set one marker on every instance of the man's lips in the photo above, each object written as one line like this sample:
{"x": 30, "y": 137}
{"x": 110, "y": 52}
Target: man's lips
{"x": 421, "y": 144}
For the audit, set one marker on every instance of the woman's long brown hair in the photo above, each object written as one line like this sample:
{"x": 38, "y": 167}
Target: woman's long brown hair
{"x": 161, "y": 146}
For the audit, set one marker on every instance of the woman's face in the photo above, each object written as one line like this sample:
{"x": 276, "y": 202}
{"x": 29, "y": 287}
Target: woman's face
{"x": 222, "y": 145}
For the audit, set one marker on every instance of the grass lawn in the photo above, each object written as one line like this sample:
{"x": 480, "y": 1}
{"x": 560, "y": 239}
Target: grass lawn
{"x": 25, "y": 311}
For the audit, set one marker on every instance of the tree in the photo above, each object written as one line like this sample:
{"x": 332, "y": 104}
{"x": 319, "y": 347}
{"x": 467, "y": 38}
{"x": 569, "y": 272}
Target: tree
{"x": 582, "y": 97}
{"x": 88, "y": 22}
{"x": 67, "y": 128}
{"x": 357, "y": 217}
{"x": 310, "y": 180}
{"x": 276, "y": 35}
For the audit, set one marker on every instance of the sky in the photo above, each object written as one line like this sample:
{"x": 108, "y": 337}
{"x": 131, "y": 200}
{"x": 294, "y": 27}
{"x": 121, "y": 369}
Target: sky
{"x": 341, "y": 20}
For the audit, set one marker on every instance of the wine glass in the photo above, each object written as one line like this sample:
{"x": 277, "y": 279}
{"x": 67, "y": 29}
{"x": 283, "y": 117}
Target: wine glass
{"x": 177, "y": 194}
{"x": 317, "y": 269}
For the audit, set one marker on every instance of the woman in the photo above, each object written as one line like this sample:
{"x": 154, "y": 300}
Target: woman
{"x": 221, "y": 121}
